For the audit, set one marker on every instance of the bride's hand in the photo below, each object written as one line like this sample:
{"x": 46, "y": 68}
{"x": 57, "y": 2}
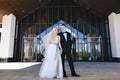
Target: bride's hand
{"x": 60, "y": 51}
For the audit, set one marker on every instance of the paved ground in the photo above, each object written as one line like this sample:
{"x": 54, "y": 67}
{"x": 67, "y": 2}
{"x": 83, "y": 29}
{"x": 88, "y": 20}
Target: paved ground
{"x": 87, "y": 70}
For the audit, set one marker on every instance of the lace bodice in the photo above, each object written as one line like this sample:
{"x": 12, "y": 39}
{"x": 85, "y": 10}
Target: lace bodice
{"x": 56, "y": 40}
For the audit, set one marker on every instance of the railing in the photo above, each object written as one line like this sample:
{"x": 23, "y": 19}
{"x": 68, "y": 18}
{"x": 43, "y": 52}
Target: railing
{"x": 30, "y": 49}
{"x": 89, "y": 49}
{"x": 85, "y": 49}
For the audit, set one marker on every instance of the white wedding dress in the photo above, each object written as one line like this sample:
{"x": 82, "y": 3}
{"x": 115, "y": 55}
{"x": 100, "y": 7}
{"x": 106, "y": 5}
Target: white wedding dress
{"x": 49, "y": 66}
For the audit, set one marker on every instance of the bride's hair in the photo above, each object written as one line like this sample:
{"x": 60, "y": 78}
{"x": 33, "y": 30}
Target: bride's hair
{"x": 53, "y": 35}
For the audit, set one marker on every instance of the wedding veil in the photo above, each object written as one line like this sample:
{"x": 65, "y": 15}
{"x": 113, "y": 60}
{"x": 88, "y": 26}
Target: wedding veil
{"x": 45, "y": 43}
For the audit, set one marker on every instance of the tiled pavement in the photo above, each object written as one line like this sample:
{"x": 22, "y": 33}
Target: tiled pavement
{"x": 87, "y": 70}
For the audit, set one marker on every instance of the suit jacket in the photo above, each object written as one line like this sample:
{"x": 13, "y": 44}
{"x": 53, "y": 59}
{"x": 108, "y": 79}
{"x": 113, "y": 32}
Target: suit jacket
{"x": 66, "y": 45}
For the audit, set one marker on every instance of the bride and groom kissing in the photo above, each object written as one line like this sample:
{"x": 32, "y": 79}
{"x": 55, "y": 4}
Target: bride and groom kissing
{"x": 56, "y": 47}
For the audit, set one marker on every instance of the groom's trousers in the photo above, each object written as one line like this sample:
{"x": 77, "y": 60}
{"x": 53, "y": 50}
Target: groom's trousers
{"x": 70, "y": 61}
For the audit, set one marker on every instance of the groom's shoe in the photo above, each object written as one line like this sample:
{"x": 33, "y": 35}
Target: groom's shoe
{"x": 75, "y": 75}
{"x": 65, "y": 75}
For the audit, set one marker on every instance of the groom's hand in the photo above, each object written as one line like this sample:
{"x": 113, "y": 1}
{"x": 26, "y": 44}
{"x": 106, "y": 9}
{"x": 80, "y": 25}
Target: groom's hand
{"x": 72, "y": 39}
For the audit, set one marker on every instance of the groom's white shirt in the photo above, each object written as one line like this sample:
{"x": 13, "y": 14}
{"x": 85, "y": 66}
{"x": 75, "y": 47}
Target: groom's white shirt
{"x": 65, "y": 35}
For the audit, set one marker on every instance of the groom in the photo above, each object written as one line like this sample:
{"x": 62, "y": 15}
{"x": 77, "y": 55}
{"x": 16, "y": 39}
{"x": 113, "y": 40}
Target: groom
{"x": 66, "y": 43}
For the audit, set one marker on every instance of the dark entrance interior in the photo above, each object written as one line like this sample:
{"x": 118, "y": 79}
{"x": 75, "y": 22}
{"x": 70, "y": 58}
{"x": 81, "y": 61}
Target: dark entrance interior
{"x": 94, "y": 45}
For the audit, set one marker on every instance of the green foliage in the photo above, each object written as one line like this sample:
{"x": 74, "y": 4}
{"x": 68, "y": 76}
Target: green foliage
{"x": 84, "y": 55}
{"x": 39, "y": 57}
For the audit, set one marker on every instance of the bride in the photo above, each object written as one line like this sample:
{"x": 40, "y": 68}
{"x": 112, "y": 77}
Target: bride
{"x": 52, "y": 64}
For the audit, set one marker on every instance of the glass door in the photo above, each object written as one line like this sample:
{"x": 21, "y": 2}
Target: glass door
{"x": 31, "y": 49}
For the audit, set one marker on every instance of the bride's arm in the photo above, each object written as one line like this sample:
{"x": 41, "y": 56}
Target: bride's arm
{"x": 60, "y": 44}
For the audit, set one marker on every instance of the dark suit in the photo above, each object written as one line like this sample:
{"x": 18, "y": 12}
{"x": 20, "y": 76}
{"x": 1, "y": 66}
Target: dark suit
{"x": 66, "y": 46}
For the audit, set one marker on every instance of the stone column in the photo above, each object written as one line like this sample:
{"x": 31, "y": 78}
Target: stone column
{"x": 7, "y": 36}
{"x": 114, "y": 24}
